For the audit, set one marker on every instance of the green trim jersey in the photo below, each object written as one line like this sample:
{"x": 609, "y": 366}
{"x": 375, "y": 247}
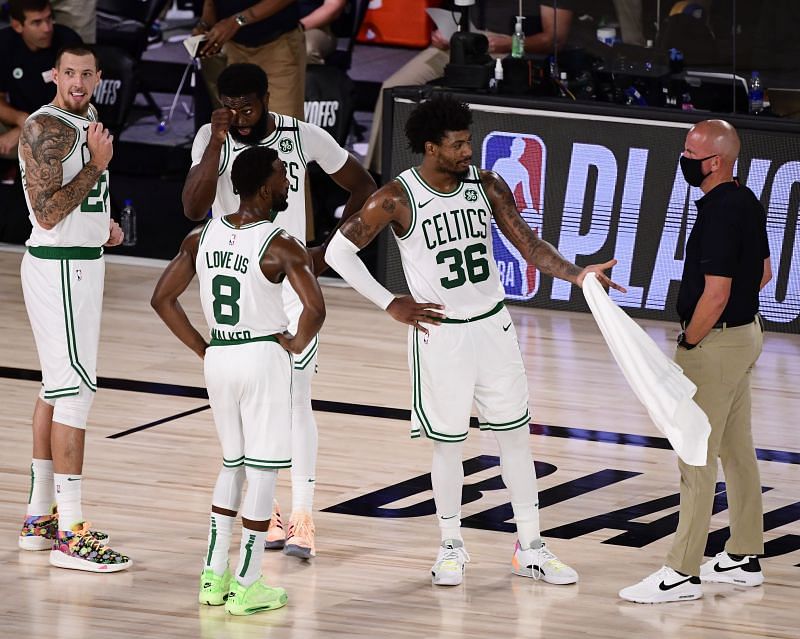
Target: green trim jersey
{"x": 87, "y": 224}
{"x": 447, "y": 252}
{"x": 297, "y": 144}
{"x": 240, "y": 304}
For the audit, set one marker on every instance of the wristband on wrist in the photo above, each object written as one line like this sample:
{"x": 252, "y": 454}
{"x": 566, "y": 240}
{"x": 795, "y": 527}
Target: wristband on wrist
{"x": 683, "y": 343}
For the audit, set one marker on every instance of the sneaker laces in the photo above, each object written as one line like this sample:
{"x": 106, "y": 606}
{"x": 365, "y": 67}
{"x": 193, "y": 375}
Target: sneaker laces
{"x": 659, "y": 575}
{"x": 85, "y": 533}
{"x": 454, "y": 554}
{"x": 303, "y": 527}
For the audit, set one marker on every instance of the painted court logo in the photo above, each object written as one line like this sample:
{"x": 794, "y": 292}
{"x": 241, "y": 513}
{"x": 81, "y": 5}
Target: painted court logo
{"x": 519, "y": 159}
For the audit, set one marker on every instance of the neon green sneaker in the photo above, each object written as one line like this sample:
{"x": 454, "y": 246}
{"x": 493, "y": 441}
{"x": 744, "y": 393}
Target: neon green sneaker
{"x": 214, "y": 588}
{"x": 257, "y": 597}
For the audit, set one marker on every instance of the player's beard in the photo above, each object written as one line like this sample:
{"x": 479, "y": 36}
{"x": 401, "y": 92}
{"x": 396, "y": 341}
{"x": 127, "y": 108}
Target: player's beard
{"x": 280, "y": 202}
{"x": 257, "y": 132}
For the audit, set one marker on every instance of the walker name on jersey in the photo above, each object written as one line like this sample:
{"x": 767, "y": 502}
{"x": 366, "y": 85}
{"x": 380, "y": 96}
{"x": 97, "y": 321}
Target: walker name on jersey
{"x": 520, "y": 160}
{"x": 638, "y": 524}
{"x": 230, "y": 336}
{"x": 452, "y": 226}
{"x": 227, "y": 260}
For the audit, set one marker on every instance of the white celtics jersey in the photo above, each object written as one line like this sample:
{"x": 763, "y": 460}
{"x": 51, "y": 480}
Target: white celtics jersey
{"x": 447, "y": 253}
{"x": 87, "y": 224}
{"x": 297, "y": 144}
{"x": 238, "y": 301}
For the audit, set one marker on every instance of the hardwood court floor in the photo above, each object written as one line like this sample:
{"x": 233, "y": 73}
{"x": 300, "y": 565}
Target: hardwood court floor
{"x": 151, "y": 489}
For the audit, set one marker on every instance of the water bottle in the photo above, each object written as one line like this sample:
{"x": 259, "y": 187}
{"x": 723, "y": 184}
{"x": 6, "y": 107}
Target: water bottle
{"x": 756, "y": 94}
{"x": 518, "y": 39}
{"x": 127, "y": 221}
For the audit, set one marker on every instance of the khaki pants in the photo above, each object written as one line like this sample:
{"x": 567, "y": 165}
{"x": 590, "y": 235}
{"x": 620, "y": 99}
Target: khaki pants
{"x": 421, "y": 69}
{"x": 720, "y": 367}
{"x": 284, "y": 61}
{"x": 78, "y": 15}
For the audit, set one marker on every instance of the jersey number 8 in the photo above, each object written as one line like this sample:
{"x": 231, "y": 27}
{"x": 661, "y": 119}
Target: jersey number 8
{"x": 226, "y": 303}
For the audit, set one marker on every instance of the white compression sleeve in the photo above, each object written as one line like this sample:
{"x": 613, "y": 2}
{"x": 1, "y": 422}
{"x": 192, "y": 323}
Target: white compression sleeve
{"x": 342, "y": 255}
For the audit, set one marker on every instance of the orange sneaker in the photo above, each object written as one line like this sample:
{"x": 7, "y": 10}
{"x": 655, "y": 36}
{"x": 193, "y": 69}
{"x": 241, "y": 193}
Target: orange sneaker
{"x": 300, "y": 541}
{"x": 276, "y": 535}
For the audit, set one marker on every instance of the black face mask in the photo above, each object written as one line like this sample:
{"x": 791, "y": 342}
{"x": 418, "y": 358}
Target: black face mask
{"x": 693, "y": 171}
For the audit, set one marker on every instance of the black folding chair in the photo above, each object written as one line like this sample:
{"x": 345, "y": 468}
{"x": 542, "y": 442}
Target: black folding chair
{"x": 124, "y": 24}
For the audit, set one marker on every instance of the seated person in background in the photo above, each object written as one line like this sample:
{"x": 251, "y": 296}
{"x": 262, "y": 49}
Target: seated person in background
{"x": 28, "y": 51}
{"x": 544, "y": 26}
{"x": 316, "y": 17}
{"x": 78, "y": 15}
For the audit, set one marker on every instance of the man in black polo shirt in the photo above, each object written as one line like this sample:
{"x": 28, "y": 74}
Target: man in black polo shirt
{"x": 727, "y": 264}
{"x": 28, "y": 51}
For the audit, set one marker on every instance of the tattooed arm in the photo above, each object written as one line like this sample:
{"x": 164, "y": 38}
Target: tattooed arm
{"x": 44, "y": 143}
{"x": 535, "y": 250}
{"x": 388, "y": 205}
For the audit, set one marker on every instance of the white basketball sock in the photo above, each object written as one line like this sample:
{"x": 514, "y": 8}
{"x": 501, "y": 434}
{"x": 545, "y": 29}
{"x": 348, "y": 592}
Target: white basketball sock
{"x": 447, "y": 478}
{"x": 519, "y": 476}
{"x": 304, "y": 441}
{"x": 220, "y": 530}
{"x": 526, "y": 517}
{"x": 68, "y": 500}
{"x": 250, "y": 554}
{"x": 40, "y": 500}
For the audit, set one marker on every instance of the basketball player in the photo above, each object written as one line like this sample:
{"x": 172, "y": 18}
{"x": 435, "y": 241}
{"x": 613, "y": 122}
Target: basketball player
{"x": 440, "y": 214}
{"x": 64, "y": 155}
{"x": 244, "y": 121}
{"x": 241, "y": 260}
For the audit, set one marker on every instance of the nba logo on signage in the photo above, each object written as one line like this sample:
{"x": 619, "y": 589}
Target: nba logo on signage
{"x": 519, "y": 159}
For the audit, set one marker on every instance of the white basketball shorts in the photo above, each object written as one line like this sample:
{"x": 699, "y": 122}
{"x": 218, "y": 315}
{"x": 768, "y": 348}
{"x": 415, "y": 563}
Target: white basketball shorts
{"x": 458, "y": 363}
{"x": 64, "y": 300}
{"x": 250, "y": 391}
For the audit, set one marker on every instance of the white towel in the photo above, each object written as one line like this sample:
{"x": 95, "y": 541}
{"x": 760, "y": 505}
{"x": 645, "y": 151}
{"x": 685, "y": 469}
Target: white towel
{"x": 655, "y": 379}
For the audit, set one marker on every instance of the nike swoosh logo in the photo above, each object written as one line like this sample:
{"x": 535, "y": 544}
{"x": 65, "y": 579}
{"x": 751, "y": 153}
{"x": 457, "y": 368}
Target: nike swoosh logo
{"x": 450, "y": 517}
{"x": 420, "y": 205}
{"x": 73, "y": 478}
{"x": 718, "y": 568}
{"x": 236, "y": 149}
{"x": 663, "y": 586}
{"x": 505, "y": 328}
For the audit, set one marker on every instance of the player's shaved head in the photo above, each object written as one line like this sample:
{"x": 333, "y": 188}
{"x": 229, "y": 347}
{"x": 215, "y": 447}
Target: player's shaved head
{"x": 716, "y": 137}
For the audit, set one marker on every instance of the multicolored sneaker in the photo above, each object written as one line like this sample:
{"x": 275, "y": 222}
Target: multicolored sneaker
{"x": 214, "y": 588}
{"x": 450, "y": 563}
{"x": 39, "y": 533}
{"x": 300, "y": 538}
{"x": 79, "y": 549}
{"x": 541, "y": 563}
{"x": 255, "y": 598}
{"x": 276, "y": 535}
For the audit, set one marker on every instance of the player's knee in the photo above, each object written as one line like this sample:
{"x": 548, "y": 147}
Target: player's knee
{"x": 50, "y": 402}
{"x": 514, "y": 441}
{"x": 73, "y": 410}
{"x": 228, "y": 489}
{"x": 260, "y": 490}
